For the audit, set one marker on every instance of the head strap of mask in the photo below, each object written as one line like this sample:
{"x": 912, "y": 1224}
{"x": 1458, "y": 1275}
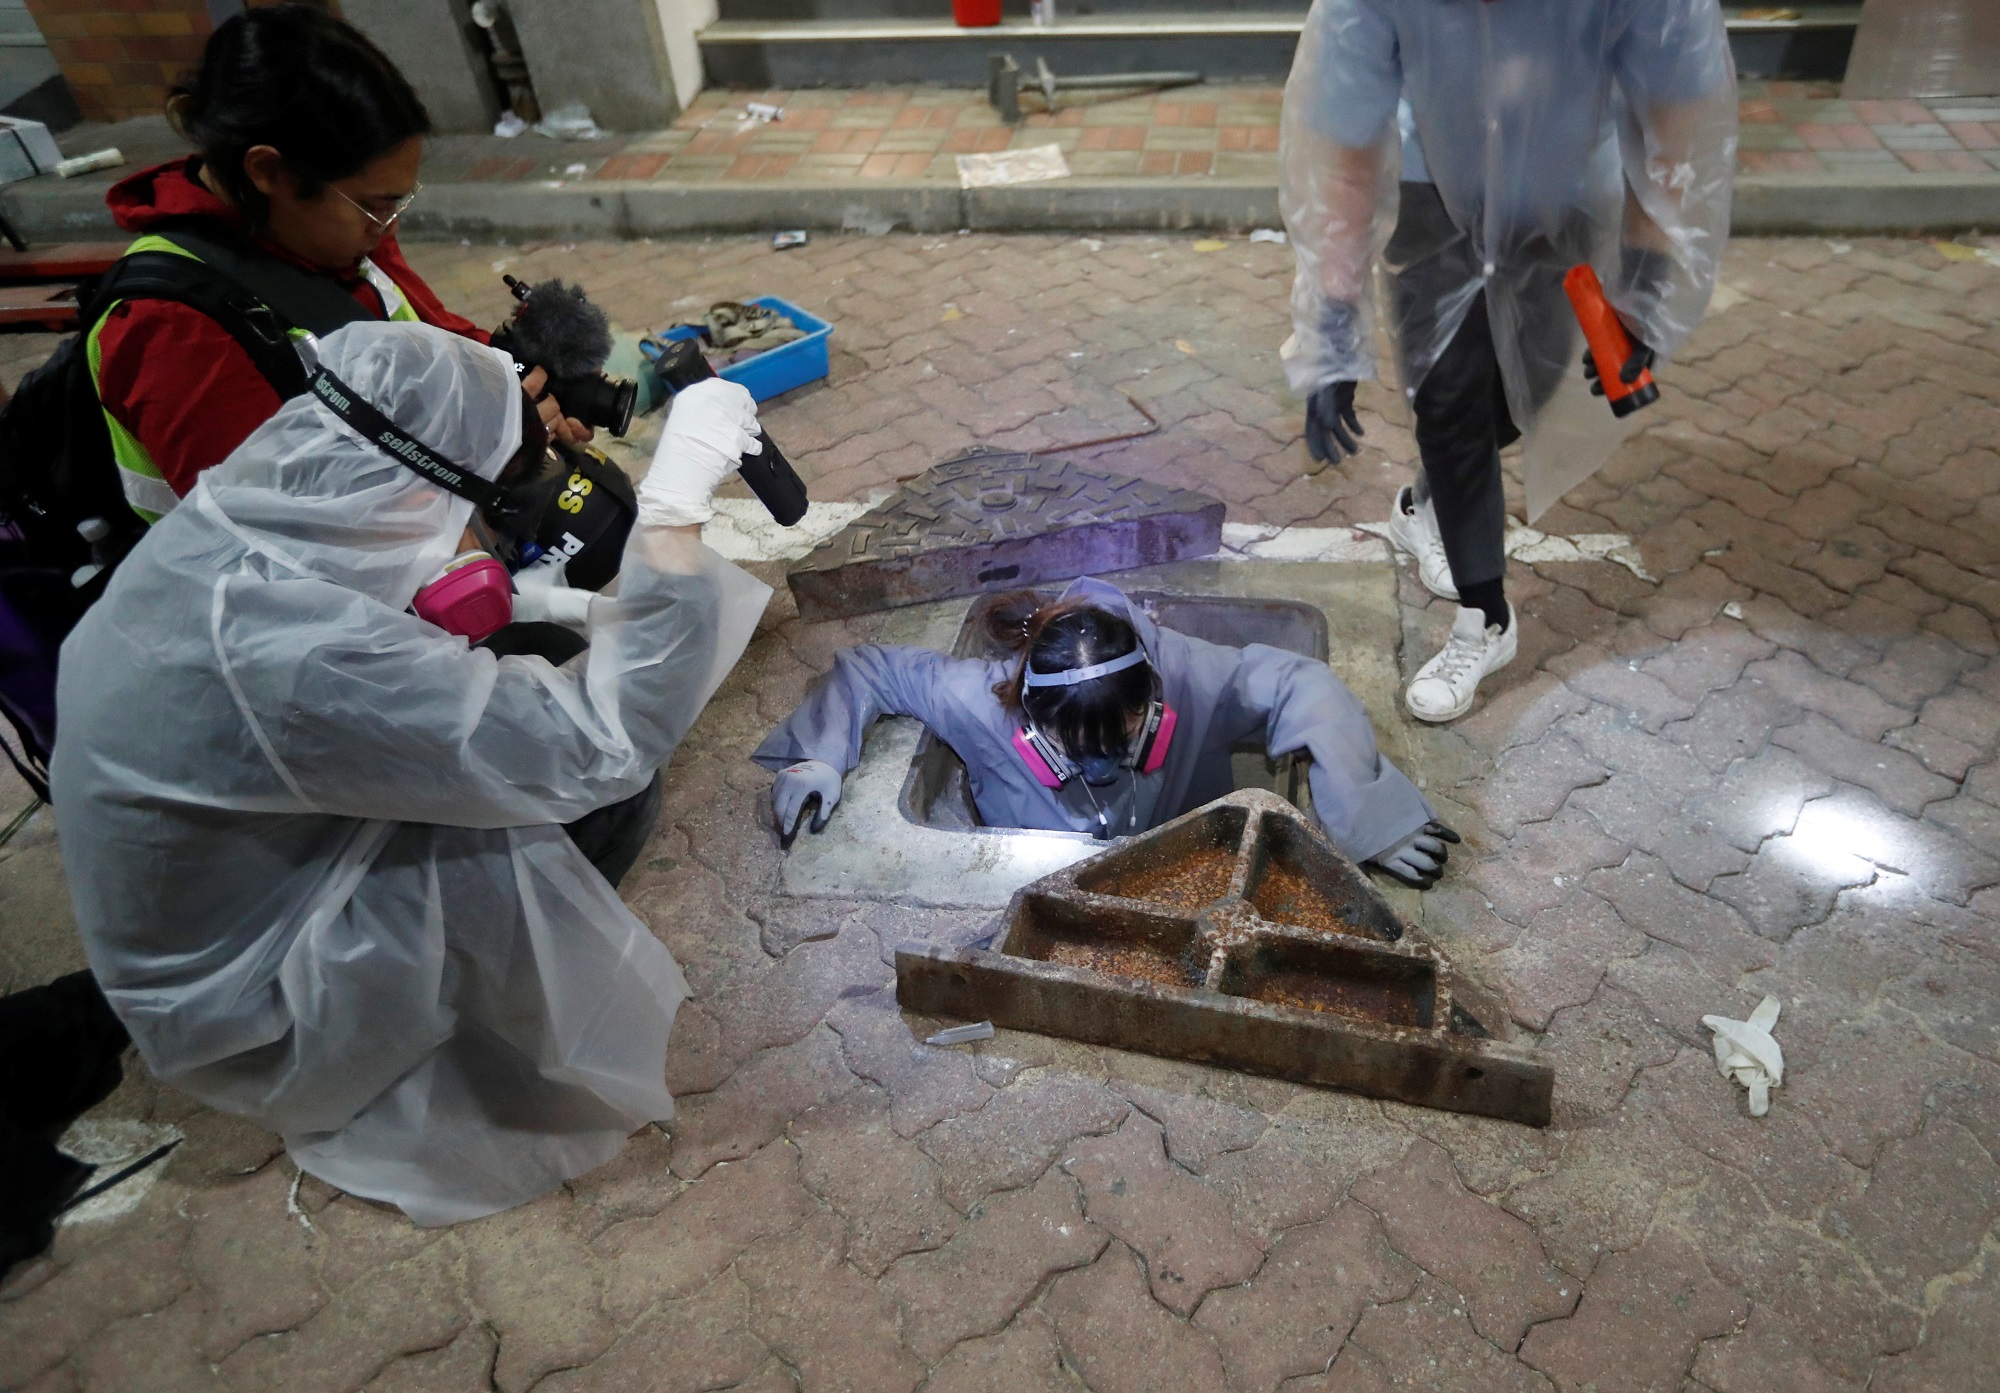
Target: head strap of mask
{"x": 499, "y": 507}
{"x": 1073, "y": 676}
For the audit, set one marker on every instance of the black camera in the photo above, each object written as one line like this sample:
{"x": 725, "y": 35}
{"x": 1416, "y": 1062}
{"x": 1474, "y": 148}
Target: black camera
{"x": 557, "y": 329}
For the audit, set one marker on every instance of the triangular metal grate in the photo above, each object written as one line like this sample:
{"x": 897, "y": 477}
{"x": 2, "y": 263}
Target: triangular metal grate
{"x": 1240, "y": 936}
{"x": 995, "y": 522}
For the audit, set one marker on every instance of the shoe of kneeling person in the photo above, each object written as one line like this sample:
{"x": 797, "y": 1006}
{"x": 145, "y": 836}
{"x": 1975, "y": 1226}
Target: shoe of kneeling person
{"x": 1413, "y": 527}
{"x": 1446, "y": 685}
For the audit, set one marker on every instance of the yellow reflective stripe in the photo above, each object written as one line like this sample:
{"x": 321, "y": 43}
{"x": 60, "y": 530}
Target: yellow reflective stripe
{"x": 146, "y": 488}
{"x": 152, "y": 242}
{"x": 393, "y": 300}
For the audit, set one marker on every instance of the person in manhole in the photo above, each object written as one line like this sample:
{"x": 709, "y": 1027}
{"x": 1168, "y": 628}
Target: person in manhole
{"x": 1531, "y": 137}
{"x": 342, "y": 872}
{"x": 1098, "y": 720}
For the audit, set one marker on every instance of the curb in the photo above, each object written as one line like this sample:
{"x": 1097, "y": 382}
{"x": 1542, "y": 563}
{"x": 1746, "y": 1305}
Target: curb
{"x": 1766, "y": 205}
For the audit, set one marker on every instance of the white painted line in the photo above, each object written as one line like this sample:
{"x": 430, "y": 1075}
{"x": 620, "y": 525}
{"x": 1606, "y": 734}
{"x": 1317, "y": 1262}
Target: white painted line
{"x": 742, "y": 531}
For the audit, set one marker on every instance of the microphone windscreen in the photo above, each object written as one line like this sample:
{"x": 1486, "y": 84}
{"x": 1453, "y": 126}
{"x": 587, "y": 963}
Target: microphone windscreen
{"x": 559, "y": 329}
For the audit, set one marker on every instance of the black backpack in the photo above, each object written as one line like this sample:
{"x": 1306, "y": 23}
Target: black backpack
{"x": 64, "y": 521}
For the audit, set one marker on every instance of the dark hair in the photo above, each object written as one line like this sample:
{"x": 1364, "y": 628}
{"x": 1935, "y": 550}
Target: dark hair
{"x": 299, "y": 80}
{"x": 1092, "y": 718}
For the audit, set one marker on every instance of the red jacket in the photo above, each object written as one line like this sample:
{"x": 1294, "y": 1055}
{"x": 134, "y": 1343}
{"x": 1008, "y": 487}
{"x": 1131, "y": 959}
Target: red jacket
{"x": 174, "y": 377}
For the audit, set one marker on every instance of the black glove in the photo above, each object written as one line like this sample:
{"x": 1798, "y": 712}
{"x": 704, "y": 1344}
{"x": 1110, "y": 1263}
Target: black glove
{"x": 1329, "y": 419}
{"x": 1642, "y": 358}
{"x": 1418, "y": 860}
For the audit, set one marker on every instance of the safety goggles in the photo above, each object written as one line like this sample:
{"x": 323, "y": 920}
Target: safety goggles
{"x": 379, "y": 220}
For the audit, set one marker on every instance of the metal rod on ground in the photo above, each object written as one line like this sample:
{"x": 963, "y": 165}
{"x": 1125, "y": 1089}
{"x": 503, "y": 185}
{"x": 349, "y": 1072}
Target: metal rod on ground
{"x": 1003, "y": 83}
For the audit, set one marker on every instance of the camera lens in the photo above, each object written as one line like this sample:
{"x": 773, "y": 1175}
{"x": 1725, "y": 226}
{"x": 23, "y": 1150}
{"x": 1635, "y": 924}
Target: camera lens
{"x": 598, "y": 401}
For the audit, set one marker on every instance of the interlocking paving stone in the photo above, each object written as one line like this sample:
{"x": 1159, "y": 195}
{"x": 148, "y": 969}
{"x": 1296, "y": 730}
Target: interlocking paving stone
{"x": 1848, "y": 393}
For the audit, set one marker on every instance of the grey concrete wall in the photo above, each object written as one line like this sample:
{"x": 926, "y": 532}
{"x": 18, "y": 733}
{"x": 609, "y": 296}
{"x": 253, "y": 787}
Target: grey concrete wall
{"x": 430, "y": 42}
{"x": 607, "y": 54}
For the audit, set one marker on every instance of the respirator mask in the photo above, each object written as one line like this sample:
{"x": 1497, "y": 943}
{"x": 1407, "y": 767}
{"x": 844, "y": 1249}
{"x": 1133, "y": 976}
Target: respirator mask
{"x": 1053, "y": 767}
{"x": 573, "y": 509}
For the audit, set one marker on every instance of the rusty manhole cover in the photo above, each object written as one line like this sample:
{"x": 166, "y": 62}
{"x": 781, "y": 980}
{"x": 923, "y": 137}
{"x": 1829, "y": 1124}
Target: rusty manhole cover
{"x": 996, "y": 521}
{"x": 1238, "y": 935}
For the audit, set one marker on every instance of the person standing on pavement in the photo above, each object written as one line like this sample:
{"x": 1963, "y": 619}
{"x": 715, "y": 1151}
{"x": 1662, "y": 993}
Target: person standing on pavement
{"x": 308, "y": 144}
{"x": 1477, "y": 150}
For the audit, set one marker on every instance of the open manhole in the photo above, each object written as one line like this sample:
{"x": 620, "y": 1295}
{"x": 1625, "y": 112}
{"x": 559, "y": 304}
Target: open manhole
{"x": 938, "y": 793}
{"x": 1240, "y": 936}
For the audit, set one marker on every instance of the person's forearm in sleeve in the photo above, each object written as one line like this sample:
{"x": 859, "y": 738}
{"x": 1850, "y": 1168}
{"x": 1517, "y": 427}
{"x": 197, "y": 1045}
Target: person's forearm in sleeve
{"x": 865, "y": 684}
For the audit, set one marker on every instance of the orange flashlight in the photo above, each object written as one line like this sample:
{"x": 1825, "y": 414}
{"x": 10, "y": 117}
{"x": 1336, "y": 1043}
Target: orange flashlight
{"x": 1610, "y": 345}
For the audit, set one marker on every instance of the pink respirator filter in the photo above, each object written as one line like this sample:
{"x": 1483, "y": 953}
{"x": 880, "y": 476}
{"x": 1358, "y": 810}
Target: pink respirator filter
{"x": 472, "y": 597}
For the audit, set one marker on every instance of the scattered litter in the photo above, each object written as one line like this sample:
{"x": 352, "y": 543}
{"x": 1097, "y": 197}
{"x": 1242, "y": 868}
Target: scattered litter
{"x": 1956, "y": 251}
{"x": 500, "y": 266}
{"x": 1184, "y": 346}
{"x": 763, "y": 111}
{"x": 1840, "y": 248}
{"x": 785, "y": 241}
{"x": 1268, "y": 234}
{"x": 111, "y": 1144}
{"x": 1726, "y": 298}
{"x": 1733, "y": 610}
{"x": 509, "y": 125}
{"x": 575, "y": 168}
{"x": 963, "y": 1034}
{"x": 85, "y": 164}
{"x": 1211, "y": 244}
{"x": 1745, "y": 1051}
{"x": 1092, "y": 244}
{"x": 570, "y": 121}
{"x": 1031, "y": 166}
{"x": 951, "y": 312}
{"x": 856, "y": 217}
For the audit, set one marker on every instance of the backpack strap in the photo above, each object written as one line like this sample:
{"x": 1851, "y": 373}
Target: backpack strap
{"x": 300, "y": 298}
{"x": 211, "y": 291}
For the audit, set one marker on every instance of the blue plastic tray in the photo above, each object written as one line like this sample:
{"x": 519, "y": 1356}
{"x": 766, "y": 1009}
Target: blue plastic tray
{"x": 783, "y": 368}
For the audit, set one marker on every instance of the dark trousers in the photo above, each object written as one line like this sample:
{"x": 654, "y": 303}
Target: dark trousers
{"x": 1462, "y": 425}
{"x": 612, "y": 836}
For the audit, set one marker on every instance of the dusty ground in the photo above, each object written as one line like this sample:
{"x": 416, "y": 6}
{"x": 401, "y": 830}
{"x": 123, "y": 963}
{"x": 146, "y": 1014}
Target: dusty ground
{"x": 1774, "y": 770}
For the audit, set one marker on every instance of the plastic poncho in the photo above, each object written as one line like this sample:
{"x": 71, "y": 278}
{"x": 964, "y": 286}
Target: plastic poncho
{"x": 1532, "y": 136}
{"x": 1222, "y": 696}
{"x": 313, "y": 841}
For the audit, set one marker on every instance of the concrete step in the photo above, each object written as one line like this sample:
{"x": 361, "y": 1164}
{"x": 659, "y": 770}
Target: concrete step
{"x": 796, "y": 43}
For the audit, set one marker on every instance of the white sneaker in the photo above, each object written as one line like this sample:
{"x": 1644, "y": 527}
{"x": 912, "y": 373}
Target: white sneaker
{"x": 1445, "y": 686}
{"x": 1416, "y": 532}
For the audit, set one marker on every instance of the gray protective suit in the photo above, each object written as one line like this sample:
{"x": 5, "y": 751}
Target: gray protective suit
{"x": 1222, "y": 696}
{"x": 314, "y": 842}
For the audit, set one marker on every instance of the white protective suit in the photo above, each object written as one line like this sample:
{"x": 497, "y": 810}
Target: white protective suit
{"x": 314, "y": 841}
{"x": 1555, "y": 132}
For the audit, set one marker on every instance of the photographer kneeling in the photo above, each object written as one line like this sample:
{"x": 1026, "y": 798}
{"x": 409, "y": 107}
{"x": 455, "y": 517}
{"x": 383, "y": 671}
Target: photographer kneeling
{"x": 315, "y": 842}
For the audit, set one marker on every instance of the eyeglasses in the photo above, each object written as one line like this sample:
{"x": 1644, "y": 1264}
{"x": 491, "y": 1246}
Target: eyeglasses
{"x": 378, "y": 219}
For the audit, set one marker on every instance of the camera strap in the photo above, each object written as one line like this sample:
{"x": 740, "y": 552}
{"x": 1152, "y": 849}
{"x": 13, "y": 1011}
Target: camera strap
{"x": 392, "y": 440}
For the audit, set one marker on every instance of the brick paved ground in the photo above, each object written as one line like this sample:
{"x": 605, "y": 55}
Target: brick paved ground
{"x": 1230, "y": 130}
{"x": 1774, "y": 769}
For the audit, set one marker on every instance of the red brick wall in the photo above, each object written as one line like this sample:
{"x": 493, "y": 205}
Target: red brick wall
{"x": 119, "y": 55}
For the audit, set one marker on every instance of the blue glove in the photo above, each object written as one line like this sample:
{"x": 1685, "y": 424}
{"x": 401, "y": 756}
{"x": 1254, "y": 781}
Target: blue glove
{"x": 1418, "y": 860}
{"x": 795, "y": 788}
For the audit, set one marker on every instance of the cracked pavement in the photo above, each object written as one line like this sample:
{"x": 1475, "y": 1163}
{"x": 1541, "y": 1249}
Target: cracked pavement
{"x": 1776, "y": 769}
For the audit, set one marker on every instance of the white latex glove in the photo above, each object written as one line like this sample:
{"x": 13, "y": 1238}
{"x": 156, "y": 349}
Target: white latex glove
{"x": 1745, "y": 1051}
{"x": 710, "y": 428}
{"x": 542, "y": 596}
